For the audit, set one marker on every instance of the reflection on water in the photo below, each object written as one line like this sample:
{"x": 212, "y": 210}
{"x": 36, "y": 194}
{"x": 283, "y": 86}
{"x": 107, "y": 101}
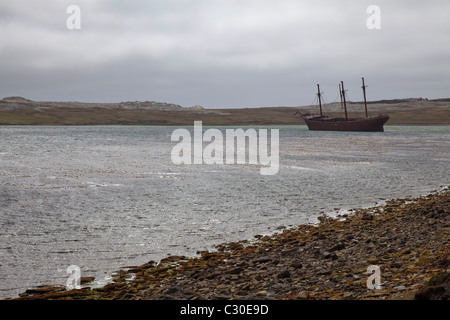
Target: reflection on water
{"x": 108, "y": 197}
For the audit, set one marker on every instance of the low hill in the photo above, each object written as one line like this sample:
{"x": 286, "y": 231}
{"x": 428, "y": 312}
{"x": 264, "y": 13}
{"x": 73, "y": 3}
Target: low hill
{"x": 21, "y": 111}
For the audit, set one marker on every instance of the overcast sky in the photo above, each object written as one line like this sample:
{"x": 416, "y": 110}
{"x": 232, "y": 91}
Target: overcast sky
{"x": 223, "y": 53}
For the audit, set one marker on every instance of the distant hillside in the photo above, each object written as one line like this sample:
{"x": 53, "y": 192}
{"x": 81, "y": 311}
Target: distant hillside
{"x": 21, "y": 111}
{"x": 15, "y": 103}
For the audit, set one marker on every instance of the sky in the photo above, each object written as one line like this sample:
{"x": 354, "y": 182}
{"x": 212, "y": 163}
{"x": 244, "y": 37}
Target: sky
{"x": 223, "y": 53}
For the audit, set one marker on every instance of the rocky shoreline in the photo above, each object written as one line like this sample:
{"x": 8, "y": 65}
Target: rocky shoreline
{"x": 408, "y": 239}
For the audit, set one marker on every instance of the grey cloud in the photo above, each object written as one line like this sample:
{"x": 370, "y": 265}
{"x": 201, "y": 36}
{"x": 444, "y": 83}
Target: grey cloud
{"x": 222, "y": 53}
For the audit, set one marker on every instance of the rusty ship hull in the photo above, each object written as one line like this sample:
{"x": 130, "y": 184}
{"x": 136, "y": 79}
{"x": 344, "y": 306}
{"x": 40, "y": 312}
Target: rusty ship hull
{"x": 324, "y": 123}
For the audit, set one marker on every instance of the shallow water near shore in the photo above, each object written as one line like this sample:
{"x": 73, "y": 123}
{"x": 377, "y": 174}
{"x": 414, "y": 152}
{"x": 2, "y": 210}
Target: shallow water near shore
{"x": 107, "y": 197}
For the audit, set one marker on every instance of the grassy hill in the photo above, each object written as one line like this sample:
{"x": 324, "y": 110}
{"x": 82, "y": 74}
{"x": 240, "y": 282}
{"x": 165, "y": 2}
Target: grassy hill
{"x": 20, "y": 111}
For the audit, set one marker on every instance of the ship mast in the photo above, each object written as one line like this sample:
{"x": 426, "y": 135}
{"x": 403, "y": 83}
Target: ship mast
{"x": 364, "y": 92}
{"x": 343, "y": 96}
{"x": 320, "y": 101}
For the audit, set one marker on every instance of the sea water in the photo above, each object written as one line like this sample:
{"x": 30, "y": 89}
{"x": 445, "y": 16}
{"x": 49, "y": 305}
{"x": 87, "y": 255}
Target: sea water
{"x": 107, "y": 197}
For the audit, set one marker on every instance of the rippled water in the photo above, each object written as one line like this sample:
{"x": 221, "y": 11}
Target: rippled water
{"x": 109, "y": 197}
